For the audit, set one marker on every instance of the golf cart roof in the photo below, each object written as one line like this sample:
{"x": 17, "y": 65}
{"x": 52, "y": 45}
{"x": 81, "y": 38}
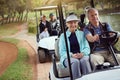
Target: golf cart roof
{"x": 68, "y": 1}
{"x": 47, "y": 8}
{"x": 54, "y": 2}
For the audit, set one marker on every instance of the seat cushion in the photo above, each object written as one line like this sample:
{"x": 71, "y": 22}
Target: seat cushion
{"x": 62, "y": 72}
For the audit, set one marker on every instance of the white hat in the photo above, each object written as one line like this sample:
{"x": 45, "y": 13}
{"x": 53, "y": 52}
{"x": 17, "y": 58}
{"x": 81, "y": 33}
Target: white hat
{"x": 72, "y": 17}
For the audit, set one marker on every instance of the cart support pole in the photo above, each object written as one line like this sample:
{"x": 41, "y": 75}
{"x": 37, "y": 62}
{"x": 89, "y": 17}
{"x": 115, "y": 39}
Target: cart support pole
{"x": 64, "y": 31}
{"x": 92, "y": 3}
{"x": 114, "y": 55}
{"x": 37, "y": 35}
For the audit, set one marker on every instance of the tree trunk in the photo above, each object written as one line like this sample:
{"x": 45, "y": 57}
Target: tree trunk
{"x": 13, "y": 17}
{"x": 18, "y": 18}
{"x": 21, "y": 17}
{"x": 26, "y": 15}
{"x": 102, "y": 5}
{"x": 2, "y": 20}
{"x": 9, "y": 18}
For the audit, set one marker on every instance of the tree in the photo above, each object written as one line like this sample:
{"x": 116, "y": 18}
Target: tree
{"x": 13, "y": 8}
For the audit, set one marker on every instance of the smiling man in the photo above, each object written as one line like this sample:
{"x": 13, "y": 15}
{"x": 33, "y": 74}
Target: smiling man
{"x": 92, "y": 31}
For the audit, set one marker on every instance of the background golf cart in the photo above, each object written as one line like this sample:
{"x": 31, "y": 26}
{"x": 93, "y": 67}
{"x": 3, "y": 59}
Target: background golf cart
{"x": 45, "y": 45}
{"x": 57, "y": 72}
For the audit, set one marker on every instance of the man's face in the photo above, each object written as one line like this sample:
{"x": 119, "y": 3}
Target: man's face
{"x": 52, "y": 17}
{"x": 93, "y": 17}
{"x": 72, "y": 25}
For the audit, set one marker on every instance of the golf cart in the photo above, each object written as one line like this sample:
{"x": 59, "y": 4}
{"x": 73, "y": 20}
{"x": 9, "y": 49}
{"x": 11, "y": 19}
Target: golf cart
{"x": 103, "y": 72}
{"x": 45, "y": 45}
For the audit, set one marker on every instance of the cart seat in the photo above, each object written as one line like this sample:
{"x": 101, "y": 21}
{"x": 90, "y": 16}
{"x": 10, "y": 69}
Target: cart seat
{"x": 62, "y": 72}
{"x": 58, "y": 69}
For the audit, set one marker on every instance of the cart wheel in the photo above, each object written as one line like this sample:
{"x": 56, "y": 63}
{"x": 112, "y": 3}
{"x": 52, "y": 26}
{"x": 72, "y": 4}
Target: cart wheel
{"x": 41, "y": 54}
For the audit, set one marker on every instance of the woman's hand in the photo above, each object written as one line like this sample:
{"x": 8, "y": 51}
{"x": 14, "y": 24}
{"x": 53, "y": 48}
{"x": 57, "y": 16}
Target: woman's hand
{"x": 77, "y": 55}
{"x": 45, "y": 29}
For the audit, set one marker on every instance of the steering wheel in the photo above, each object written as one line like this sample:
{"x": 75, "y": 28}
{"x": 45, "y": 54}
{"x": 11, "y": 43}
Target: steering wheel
{"x": 109, "y": 37}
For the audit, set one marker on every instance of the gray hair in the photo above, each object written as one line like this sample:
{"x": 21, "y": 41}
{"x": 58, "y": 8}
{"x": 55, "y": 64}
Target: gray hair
{"x": 91, "y": 9}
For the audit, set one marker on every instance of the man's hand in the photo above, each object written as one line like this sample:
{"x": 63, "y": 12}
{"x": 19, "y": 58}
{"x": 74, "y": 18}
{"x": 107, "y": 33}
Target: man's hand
{"x": 92, "y": 38}
{"x": 96, "y": 37}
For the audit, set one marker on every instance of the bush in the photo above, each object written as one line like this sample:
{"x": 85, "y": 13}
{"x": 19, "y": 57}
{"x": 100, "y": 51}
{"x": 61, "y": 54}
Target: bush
{"x": 32, "y": 26}
{"x": 117, "y": 45}
{"x": 32, "y": 29}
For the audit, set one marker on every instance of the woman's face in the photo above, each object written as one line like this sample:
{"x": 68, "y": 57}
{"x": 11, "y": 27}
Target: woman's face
{"x": 72, "y": 25}
{"x": 44, "y": 19}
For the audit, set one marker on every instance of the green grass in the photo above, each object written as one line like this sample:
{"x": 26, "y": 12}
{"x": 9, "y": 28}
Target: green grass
{"x": 11, "y": 40}
{"x": 117, "y": 45}
{"x": 8, "y": 29}
{"x": 32, "y": 26}
{"x": 20, "y": 69}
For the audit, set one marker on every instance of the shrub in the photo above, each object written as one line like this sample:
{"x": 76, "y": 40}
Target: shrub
{"x": 31, "y": 29}
{"x": 117, "y": 45}
{"x": 32, "y": 26}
